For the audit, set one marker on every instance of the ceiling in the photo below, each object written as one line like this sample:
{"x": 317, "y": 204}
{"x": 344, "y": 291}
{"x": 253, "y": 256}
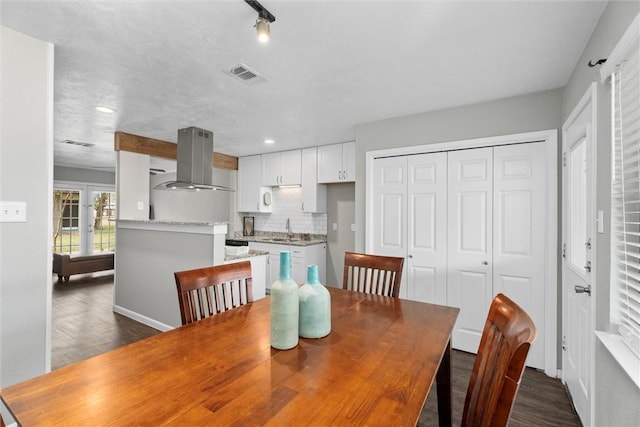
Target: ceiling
{"x": 330, "y": 65}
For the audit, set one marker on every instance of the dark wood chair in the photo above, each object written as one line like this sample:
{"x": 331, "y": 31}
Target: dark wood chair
{"x": 500, "y": 362}
{"x": 373, "y": 274}
{"x": 203, "y": 292}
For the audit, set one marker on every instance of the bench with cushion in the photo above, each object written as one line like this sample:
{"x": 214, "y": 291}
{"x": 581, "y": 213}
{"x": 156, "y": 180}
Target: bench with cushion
{"x": 65, "y": 265}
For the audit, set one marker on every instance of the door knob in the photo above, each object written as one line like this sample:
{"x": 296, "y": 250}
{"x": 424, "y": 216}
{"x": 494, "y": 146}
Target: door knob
{"x": 485, "y": 262}
{"x": 410, "y": 256}
{"x": 582, "y": 289}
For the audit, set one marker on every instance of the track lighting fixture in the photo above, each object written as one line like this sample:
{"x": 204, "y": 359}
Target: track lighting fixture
{"x": 262, "y": 22}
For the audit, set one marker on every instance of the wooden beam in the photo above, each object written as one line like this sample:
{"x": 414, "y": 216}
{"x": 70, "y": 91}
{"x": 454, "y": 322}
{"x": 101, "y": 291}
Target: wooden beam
{"x": 168, "y": 150}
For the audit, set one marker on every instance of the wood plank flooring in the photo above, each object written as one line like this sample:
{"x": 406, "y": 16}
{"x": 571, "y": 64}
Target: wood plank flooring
{"x": 84, "y": 325}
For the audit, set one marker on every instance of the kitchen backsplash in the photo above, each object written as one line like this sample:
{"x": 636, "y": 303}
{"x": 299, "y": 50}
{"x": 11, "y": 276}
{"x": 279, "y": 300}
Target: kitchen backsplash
{"x": 287, "y": 203}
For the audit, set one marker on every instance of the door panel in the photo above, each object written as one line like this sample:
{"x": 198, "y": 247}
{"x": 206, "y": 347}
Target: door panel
{"x": 390, "y": 201}
{"x": 426, "y": 261}
{"x": 519, "y": 228}
{"x": 470, "y": 181}
{"x": 578, "y": 217}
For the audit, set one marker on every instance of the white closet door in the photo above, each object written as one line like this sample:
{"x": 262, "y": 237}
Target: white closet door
{"x": 519, "y": 212}
{"x": 470, "y": 235}
{"x": 426, "y": 262}
{"x": 390, "y": 205}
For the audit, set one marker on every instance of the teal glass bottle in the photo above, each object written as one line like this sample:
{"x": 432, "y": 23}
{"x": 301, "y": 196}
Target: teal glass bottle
{"x": 315, "y": 306}
{"x": 284, "y": 307}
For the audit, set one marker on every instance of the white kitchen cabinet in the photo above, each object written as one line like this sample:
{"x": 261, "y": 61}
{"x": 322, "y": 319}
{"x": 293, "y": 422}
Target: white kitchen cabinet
{"x": 301, "y": 257}
{"x": 337, "y": 162}
{"x": 250, "y": 193}
{"x": 314, "y": 195}
{"x": 258, "y": 274}
{"x": 282, "y": 168}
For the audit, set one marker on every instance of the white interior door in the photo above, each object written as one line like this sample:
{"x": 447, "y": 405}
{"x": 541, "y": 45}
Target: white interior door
{"x": 519, "y": 215}
{"x": 469, "y": 242}
{"x": 577, "y": 257}
{"x": 426, "y": 261}
{"x": 390, "y": 205}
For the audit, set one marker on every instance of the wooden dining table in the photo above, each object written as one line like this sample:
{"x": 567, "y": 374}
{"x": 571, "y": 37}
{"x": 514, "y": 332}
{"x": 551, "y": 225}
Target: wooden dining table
{"x": 376, "y": 367}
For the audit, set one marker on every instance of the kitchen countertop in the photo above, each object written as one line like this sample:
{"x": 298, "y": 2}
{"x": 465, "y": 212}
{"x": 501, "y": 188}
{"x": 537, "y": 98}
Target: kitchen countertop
{"x": 283, "y": 239}
{"x": 252, "y": 253}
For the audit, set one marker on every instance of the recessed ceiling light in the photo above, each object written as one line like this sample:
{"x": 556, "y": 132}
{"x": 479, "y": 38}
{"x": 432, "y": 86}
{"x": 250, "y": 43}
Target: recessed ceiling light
{"x": 269, "y": 141}
{"x": 104, "y": 110}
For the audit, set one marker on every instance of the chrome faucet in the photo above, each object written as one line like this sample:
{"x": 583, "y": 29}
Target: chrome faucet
{"x": 289, "y": 233}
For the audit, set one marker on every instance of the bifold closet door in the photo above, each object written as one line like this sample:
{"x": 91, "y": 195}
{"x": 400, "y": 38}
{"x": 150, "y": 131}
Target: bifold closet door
{"x": 410, "y": 220}
{"x": 427, "y": 229}
{"x": 470, "y": 242}
{"x": 519, "y": 230}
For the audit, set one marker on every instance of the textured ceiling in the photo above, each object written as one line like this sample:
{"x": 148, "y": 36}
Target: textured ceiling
{"x": 330, "y": 65}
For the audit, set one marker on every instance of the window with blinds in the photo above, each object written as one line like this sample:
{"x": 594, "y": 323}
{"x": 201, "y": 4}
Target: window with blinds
{"x": 625, "y": 209}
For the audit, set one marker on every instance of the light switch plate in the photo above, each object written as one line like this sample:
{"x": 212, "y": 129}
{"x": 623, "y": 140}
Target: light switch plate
{"x": 13, "y": 211}
{"x": 353, "y": 227}
{"x": 334, "y": 226}
{"x": 140, "y": 206}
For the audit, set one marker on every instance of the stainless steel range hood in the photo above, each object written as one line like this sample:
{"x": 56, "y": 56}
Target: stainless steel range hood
{"x": 195, "y": 167}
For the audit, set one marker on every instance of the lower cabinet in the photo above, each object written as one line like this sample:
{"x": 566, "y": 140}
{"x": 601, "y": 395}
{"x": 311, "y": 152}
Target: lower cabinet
{"x": 259, "y": 266}
{"x": 301, "y": 257}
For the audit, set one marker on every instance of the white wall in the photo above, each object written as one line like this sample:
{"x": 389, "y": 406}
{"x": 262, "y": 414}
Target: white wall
{"x": 26, "y": 174}
{"x": 132, "y": 185}
{"x": 616, "y": 399}
{"x": 196, "y": 206}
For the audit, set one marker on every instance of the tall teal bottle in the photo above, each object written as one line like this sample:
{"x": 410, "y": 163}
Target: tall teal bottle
{"x": 284, "y": 307}
{"x": 315, "y": 306}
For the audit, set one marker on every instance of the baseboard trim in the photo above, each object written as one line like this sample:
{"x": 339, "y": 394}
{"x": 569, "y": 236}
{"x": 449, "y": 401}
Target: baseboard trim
{"x": 142, "y": 319}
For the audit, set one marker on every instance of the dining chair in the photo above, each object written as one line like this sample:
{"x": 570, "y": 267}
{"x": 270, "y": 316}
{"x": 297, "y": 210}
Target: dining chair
{"x": 203, "y": 292}
{"x": 374, "y": 274}
{"x": 498, "y": 367}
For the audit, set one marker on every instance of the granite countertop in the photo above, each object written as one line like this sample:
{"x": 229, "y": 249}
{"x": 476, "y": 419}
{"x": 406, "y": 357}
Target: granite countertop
{"x": 297, "y": 239}
{"x": 155, "y": 221}
{"x": 252, "y": 253}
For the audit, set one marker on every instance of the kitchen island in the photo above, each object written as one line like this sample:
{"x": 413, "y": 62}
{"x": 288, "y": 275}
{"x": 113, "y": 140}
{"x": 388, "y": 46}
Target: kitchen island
{"x": 149, "y": 252}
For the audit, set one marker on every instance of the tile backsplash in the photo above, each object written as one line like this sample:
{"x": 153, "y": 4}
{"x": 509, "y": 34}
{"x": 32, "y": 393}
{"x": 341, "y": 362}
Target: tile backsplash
{"x": 287, "y": 203}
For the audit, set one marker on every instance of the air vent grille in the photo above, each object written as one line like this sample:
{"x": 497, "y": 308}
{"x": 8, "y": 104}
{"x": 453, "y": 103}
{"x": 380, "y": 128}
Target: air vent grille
{"x": 245, "y": 74}
{"x": 82, "y": 144}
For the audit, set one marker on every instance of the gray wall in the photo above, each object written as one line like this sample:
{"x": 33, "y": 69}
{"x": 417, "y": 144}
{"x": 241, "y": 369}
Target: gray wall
{"x": 341, "y": 211}
{"x": 26, "y": 174}
{"x": 616, "y": 398}
{"x": 88, "y": 176}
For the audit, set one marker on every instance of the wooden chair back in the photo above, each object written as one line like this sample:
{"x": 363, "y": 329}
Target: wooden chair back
{"x": 373, "y": 274}
{"x": 500, "y": 362}
{"x": 203, "y": 292}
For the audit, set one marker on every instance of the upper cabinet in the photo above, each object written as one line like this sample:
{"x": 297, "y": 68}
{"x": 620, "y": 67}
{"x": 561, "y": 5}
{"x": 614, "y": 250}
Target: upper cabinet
{"x": 282, "y": 168}
{"x": 337, "y": 163}
{"x": 314, "y": 195}
{"x": 250, "y": 193}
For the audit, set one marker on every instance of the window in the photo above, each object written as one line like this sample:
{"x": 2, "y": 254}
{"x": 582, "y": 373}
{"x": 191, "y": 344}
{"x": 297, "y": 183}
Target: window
{"x": 83, "y": 219}
{"x": 625, "y": 203}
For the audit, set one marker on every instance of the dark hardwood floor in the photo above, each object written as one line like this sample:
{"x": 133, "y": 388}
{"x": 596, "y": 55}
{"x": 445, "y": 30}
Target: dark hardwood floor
{"x": 541, "y": 400}
{"x": 84, "y": 325}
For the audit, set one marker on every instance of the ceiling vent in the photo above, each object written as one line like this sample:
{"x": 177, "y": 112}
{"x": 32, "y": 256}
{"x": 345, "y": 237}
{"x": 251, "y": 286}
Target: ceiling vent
{"x": 246, "y": 74}
{"x": 82, "y": 144}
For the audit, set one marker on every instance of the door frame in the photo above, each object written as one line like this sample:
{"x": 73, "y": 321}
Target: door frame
{"x": 550, "y": 139}
{"x": 590, "y": 97}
